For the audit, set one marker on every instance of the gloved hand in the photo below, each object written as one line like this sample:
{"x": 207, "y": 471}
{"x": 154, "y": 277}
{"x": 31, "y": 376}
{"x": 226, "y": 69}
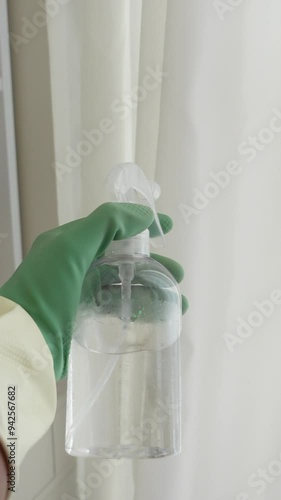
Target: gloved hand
{"x": 48, "y": 283}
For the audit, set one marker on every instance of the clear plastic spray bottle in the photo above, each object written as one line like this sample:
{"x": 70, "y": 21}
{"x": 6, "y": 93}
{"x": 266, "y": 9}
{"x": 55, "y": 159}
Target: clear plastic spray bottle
{"x": 124, "y": 387}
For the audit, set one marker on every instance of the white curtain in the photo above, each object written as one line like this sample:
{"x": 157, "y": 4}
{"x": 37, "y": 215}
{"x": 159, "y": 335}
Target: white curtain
{"x": 208, "y": 130}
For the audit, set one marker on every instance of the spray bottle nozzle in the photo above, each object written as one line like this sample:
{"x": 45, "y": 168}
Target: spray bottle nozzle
{"x": 128, "y": 183}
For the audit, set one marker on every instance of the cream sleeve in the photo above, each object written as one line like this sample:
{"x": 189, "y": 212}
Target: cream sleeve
{"x": 27, "y": 384}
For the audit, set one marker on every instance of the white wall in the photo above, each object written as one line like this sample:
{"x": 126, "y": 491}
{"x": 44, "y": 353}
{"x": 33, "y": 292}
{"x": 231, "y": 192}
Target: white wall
{"x": 34, "y": 129}
{"x": 10, "y": 238}
{"x": 47, "y": 472}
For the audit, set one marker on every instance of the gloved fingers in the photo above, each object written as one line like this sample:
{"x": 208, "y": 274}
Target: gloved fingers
{"x": 87, "y": 238}
{"x": 184, "y": 304}
{"x": 110, "y": 221}
{"x": 96, "y": 283}
{"x": 55, "y": 233}
{"x": 173, "y": 266}
{"x": 137, "y": 220}
{"x": 84, "y": 240}
{"x": 104, "y": 287}
{"x": 165, "y": 222}
{"x": 176, "y": 271}
{"x": 104, "y": 291}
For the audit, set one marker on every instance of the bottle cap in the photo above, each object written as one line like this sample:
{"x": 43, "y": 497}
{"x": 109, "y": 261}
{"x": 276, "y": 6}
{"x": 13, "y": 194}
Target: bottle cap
{"x": 138, "y": 244}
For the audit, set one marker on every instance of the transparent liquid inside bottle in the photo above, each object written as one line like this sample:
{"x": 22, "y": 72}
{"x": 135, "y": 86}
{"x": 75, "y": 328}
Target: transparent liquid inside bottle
{"x": 124, "y": 391}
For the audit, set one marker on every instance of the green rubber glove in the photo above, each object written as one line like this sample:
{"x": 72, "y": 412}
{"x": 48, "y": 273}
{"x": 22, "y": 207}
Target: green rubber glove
{"x": 48, "y": 283}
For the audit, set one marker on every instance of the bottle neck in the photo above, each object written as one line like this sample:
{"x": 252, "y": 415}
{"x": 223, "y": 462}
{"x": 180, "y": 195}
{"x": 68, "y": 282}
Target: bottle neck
{"x": 137, "y": 245}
